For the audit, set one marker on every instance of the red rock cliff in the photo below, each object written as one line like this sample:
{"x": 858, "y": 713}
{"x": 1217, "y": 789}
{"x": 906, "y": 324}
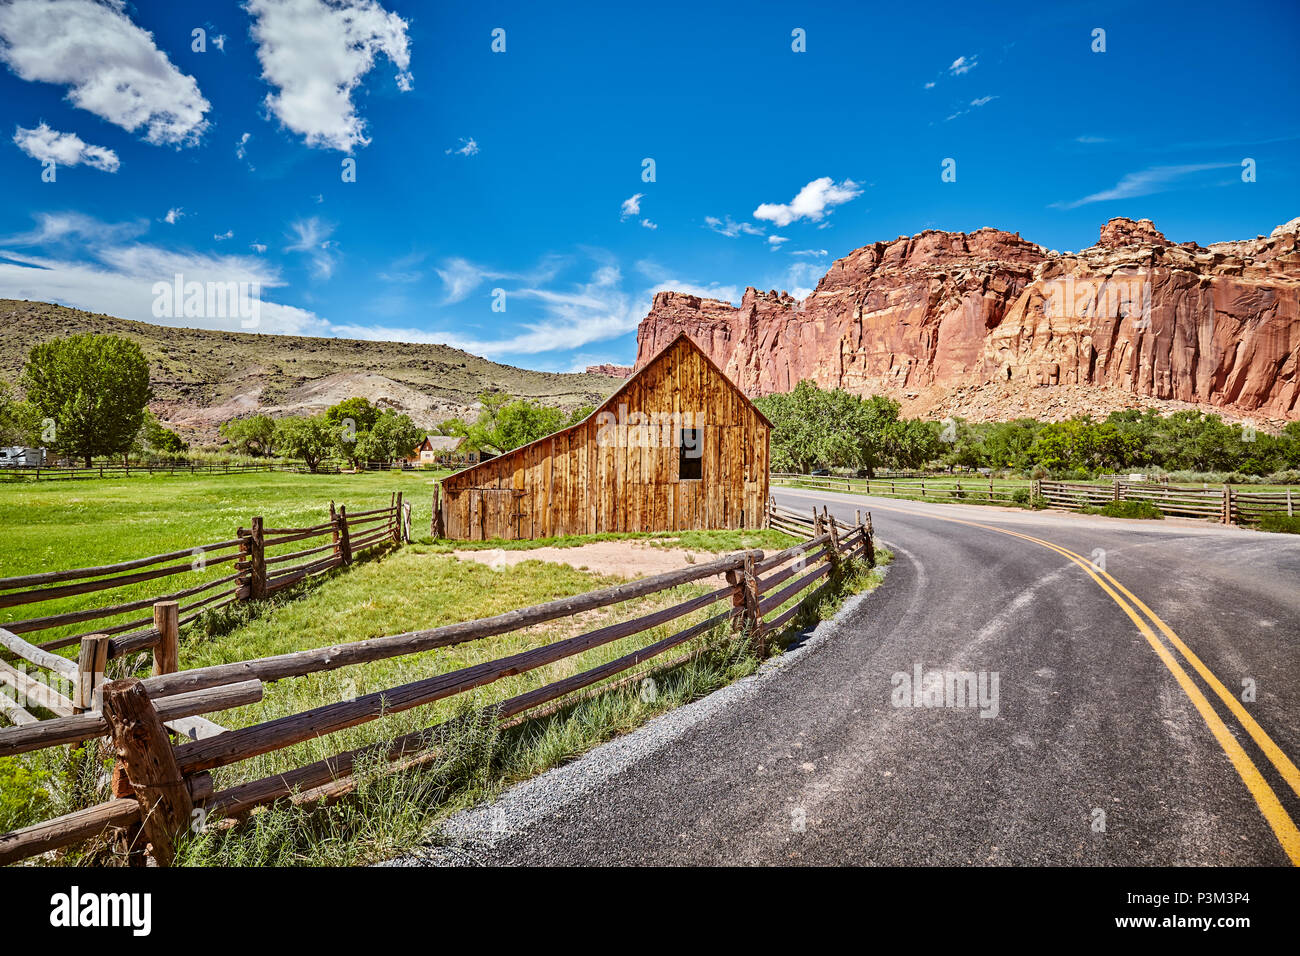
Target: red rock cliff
{"x": 989, "y": 325}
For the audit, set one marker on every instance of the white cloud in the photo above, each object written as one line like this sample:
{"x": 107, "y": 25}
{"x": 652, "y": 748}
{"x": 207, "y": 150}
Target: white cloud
{"x": 258, "y": 247}
{"x": 241, "y": 145}
{"x": 647, "y": 224}
{"x": 730, "y": 228}
{"x": 800, "y": 280}
{"x": 466, "y": 147}
{"x": 930, "y": 85}
{"x": 775, "y": 241}
{"x": 812, "y": 202}
{"x": 982, "y": 100}
{"x": 311, "y": 236}
{"x": 1088, "y": 140}
{"x": 963, "y": 64}
{"x": 1145, "y": 182}
{"x": 222, "y": 236}
{"x": 74, "y": 227}
{"x": 815, "y": 253}
{"x": 64, "y": 149}
{"x": 173, "y": 215}
{"x": 111, "y": 67}
{"x": 664, "y": 280}
{"x": 99, "y": 268}
{"x": 315, "y": 53}
{"x": 631, "y": 206}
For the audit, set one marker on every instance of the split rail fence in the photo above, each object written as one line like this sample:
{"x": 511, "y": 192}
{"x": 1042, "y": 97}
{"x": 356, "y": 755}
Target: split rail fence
{"x": 1227, "y": 504}
{"x": 158, "y": 784}
{"x": 968, "y": 488}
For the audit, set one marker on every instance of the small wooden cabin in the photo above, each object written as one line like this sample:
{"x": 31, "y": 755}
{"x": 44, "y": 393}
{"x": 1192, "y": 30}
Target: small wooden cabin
{"x": 435, "y": 447}
{"x": 677, "y": 447}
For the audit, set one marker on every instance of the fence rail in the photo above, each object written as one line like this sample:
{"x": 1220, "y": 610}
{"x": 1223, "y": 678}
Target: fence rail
{"x": 1227, "y": 504}
{"x": 254, "y": 574}
{"x": 953, "y": 487}
{"x": 159, "y": 784}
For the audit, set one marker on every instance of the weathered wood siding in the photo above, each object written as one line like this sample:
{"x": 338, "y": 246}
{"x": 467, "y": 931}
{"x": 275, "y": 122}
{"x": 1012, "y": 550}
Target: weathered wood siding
{"x": 608, "y": 474}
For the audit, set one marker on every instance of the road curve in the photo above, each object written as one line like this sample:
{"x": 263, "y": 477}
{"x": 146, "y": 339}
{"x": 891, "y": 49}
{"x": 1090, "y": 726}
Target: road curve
{"x": 1100, "y": 752}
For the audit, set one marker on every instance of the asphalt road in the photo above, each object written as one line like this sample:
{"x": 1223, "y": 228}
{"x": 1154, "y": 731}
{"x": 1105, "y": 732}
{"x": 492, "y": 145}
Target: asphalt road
{"x": 816, "y": 764}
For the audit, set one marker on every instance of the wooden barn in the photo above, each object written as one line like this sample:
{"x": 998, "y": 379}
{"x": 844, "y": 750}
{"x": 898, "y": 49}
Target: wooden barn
{"x": 677, "y": 447}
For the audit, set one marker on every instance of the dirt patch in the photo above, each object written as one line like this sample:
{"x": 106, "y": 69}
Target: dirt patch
{"x": 628, "y": 559}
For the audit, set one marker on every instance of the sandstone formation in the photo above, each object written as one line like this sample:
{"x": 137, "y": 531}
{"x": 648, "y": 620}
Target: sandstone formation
{"x": 991, "y": 326}
{"x": 613, "y": 371}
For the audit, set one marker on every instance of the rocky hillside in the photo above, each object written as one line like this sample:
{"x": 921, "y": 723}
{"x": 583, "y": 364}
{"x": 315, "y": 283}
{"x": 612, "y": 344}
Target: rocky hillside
{"x": 203, "y": 378}
{"x": 991, "y": 326}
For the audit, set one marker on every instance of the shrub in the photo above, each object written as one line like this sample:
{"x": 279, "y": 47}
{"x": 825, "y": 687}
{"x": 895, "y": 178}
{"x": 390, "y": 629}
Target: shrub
{"x": 1276, "y": 521}
{"x": 1126, "y": 509}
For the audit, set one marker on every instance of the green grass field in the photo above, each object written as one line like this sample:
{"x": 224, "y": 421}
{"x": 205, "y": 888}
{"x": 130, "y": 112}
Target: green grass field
{"x": 56, "y": 525}
{"x": 63, "y": 525}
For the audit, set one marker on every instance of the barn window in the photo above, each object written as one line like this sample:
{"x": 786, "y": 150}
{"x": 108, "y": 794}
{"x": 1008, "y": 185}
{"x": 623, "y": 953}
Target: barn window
{"x": 691, "y": 454}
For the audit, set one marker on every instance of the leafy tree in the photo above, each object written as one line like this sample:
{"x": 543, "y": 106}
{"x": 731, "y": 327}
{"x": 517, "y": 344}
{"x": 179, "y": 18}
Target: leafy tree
{"x": 254, "y": 435}
{"x": 392, "y": 436}
{"x": 19, "y": 421}
{"x": 94, "y": 387}
{"x": 155, "y": 437}
{"x": 506, "y": 423}
{"x": 359, "y": 411}
{"x": 310, "y": 439}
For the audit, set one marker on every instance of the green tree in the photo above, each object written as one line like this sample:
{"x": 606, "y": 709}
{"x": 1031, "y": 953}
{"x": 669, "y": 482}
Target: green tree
{"x": 254, "y": 435}
{"x": 157, "y": 438}
{"x": 505, "y": 423}
{"x": 95, "y": 388}
{"x": 19, "y": 420}
{"x": 392, "y": 436}
{"x": 309, "y": 439}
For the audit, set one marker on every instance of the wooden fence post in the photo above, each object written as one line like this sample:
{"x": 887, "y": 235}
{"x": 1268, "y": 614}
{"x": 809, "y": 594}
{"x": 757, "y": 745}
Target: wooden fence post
{"x": 1227, "y": 504}
{"x": 166, "y": 653}
{"x": 257, "y": 555}
{"x": 869, "y": 536}
{"x": 753, "y": 619}
{"x": 91, "y": 660}
{"x": 1116, "y": 494}
{"x": 406, "y": 524}
{"x": 1290, "y": 511}
{"x": 398, "y": 520}
{"x": 345, "y": 543}
{"x": 334, "y": 529}
{"x": 149, "y": 764}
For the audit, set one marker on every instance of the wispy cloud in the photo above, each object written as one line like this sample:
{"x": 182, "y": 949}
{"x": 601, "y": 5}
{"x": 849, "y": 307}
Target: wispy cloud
{"x": 963, "y": 65}
{"x": 815, "y": 253}
{"x": 813, "y": 202}
{"x": 466, "y": 147}
{"x": 173, "y": 215}
{"x": 647, "y": 224}
{"x": 1155, "y": 179}
{"x": 312, "y": 237}
{"x": 730, "y": 228}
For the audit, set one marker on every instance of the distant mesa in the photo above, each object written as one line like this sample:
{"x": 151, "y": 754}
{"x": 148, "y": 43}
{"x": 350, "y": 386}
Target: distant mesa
{"x": 613, "y": 371}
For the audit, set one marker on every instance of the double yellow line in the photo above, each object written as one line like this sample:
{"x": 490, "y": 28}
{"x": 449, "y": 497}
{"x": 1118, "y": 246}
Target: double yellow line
{"x": 1269, "y": 805}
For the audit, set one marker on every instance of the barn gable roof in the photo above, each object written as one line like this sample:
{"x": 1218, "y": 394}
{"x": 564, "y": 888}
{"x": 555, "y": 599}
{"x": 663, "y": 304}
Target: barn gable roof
{"x": 610, "y": 402}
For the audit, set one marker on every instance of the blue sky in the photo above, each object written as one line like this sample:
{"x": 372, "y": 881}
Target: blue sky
{"x": 523, "y": 170}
